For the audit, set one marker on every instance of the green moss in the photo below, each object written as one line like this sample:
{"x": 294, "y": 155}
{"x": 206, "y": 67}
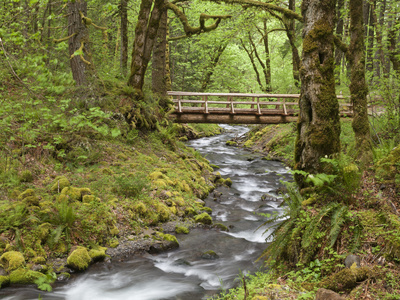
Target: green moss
{"x": 75, "y": 194}
{"x": 4, "y": 281}
{"x": 190, "y": 212}
{"x": 26, "y": 176}
{"x": 107, "y": 171}
{"x": 206, "y": 209}
{"x": 122, "y": 156}
{"x": 204, "y": 218}
{"x": 59, "y": 183}
{"x": 79, "y": 259}
{"x": 140, "y": 208}
{"x": 89, "y": 199}
{"x": 231, "y": 143}
{"x": 181, "y": 229}
{"x": 12, "y": 260}
{"x": 114, "y": 230}
{"x": 163, "y": 213}
{"x": 39, "y": 260}
{"x": 347, "y": 279}
{"x": 221, "y": 227}
{"x": 113, "y": 243}
{"x": 26, "y": 193}
{"x": 156, "y": 175}
{"x": 98, "y": 254}
{"x": 24, "y": 276}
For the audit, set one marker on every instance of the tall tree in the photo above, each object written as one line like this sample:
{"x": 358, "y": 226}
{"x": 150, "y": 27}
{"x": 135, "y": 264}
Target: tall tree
{"x": 318, "y": 128}
{"x": 123, "y": 10}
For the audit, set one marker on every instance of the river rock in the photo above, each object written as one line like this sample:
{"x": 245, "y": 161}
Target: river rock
{"x": 209, "y": 255}
{"x": 162, "y": 246}
{"x": 351, "y": 259}
{"x": 324, "y": 294}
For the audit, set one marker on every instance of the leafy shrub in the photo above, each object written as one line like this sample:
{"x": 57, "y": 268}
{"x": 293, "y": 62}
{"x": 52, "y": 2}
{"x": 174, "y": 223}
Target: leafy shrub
{"x": 131, "y": 186}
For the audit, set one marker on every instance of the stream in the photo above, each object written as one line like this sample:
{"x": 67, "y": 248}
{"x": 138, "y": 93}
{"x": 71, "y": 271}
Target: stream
{"x": 183, "y": 273}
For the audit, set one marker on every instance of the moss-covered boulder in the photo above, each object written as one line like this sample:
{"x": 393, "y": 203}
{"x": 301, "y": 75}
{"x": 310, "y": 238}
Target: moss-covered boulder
{"x": 221, "y": 227}
{"x": 163, "y": 213}
{"x": 59, "y": 183}
{"x": 166, "y": 242}
{"x": 26, "y": 176}
{"x": 25, "y": 276}
{"x": 4, "y": 281}
{"x": 29, "y": 197}
{"x": 74, "y": 193}
{"x": 79, "y": 259}
{"x": 43, "y": 231}
{"x": 181, "y": 229}
{"x": 12, "y": 260}
{"x": 98, "y": 253}
{"x": 210, "y": 254}
{"x": 347, "y": 279}
{"x": 204, "y": 218}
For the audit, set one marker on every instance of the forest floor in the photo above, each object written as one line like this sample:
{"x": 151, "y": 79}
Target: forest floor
{"x": 369, "y": 229}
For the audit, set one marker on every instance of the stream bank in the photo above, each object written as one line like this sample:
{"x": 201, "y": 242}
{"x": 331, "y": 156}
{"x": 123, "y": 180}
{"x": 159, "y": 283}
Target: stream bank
{"x": 207, "y": 259}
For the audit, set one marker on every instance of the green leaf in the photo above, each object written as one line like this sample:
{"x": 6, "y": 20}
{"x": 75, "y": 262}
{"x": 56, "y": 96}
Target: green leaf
{"x": 115, "y": 132}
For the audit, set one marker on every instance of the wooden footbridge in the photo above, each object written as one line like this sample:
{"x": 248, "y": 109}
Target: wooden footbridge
{"x": 237, "y": 108}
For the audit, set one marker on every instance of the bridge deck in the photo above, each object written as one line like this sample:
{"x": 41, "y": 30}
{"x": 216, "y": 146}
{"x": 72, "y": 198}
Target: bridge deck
{"x": 231, "y": 109}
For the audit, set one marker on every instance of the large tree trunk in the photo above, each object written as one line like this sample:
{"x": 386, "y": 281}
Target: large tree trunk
{"x": 358, "y": 87}
{"x": 79, "y": 42}
{"x": 159, "y": 71}
{"x": 318, "y": 128}
{"x": 291, "y": 34}
{"x": 145, "y": 35}
{"x": 339, "y": 34}
{"x": 124, "y": 36}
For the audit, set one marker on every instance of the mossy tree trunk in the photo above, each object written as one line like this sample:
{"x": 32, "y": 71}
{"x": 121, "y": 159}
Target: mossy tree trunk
{"x": 339, "y": 34}
{"x": 318, "y": 127}
{"x": 291, "y": 34}
{"x": 123, "y": 9}
{"x": 78, "y": 43}
{"x": 145, "y": 36}
{"x": 358, "y": 87}
{"x": 159, "y": 58}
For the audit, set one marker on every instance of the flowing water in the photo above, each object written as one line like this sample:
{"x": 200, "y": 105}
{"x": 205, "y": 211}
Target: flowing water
{"x": 185, "y": 273}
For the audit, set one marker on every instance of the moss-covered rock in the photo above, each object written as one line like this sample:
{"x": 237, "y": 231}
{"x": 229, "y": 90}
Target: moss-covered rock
{"x": 190, "y": 212}
{"x": 221, "y": 227}
{"x": 140, "y": 208}
{"x": 98, "y": 253}
{"x": 204, "y": 218}
{"x": 59, "y": 183}
{"x": 4, "y": 281}
{"x": 113, "y": 243}
{"x": 114, "y": 230}
{"x": 347, "y": 279}
{"x": 39, "y": 260}
{"x": 163, "y": 213}
{"x": 156, "y": 175}
{"x": 25, "y": 276}
{"x": 27, "y": 193}
{"x": 210, "y": 254}
{"x": 12, "y": 260}
{"x": 79, "y": 259}
{"x": 181, "y": 229}
{"x": 74, "y": 193}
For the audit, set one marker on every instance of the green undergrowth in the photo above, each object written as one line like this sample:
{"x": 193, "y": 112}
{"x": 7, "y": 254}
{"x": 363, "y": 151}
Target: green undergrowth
{"x": 82, "y": 177}
{"x": 346, "y": 210}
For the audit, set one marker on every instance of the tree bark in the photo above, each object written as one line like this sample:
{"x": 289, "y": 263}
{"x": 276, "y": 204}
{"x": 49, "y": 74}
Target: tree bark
{"x": 370, "y": 38}
{"x": 358, "y": 87}
{"x": 78, "y": 42}
{"x": 145, "y": 35}
{"x": 318, "y": 127}
{"x": 124, "y": 36}
{"x": 291, "y": 34}
{"x": 339, "y": 33}
{"x": 159, "y": 65}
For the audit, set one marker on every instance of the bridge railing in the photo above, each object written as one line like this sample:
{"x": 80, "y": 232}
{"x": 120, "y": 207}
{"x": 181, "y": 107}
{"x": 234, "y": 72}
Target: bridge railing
{"x": 233, "y": 103}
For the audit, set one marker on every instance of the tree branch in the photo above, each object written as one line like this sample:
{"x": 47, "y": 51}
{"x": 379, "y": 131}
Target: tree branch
{"x": 254, "y": 3}
{"x": 189, "y": 30}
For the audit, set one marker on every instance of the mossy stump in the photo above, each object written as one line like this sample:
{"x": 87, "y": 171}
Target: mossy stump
{"x": 79, "y": 259}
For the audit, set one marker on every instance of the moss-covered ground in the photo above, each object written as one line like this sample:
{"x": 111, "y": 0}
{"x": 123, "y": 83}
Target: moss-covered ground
{"x": 75, "y": 178}
{"x": 350, "y": 210}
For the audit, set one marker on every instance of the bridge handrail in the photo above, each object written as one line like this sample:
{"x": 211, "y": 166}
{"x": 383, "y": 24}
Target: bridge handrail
{"x": 249, "y": 95}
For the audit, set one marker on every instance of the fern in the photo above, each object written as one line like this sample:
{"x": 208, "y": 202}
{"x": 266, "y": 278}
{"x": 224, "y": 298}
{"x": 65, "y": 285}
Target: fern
{"x": 337, "y": 220}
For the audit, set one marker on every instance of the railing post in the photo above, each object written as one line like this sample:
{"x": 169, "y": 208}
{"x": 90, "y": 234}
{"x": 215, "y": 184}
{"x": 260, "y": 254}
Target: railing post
{"x": 284, "y": 106}
{"x": 253, "y": 99}
{"x": 232, "y": 109}
{"x": 206, "y": 104}
{"x": 258, "y": 106}
{"x": 179, "y": 104}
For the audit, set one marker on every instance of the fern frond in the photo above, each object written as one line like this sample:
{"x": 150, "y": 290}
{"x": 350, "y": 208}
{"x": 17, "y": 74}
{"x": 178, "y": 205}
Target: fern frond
{"x": 337, "y": 220}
